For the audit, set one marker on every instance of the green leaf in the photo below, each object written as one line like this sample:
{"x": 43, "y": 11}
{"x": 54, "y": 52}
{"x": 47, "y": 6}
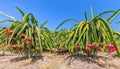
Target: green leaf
{"x": 92, "y": 12}
{"x": 22, "y": 29}
{"x": 20, "y": 11}
{"x": 65, "y": 22}
{"x": 105, "y": 12}
{"x": 42, "y": 25}
{"x": 4, "y": 21}
{"x": 114, "y": 15}
{"x": 111, "y": 34}
{"x": 38, "y": 33}
{"x": 8, "y": 16}
{"x": 85, "y": 14}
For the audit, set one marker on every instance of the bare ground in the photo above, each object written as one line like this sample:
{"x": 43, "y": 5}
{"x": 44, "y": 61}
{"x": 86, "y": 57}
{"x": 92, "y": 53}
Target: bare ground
{"x": 61, "y": 61}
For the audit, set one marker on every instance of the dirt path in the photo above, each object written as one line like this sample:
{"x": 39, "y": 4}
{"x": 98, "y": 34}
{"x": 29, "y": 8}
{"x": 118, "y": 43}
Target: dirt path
{"x": 50, "y": 61}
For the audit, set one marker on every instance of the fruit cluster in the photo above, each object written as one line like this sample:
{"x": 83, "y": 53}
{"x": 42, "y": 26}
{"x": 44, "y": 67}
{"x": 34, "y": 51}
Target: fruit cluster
{"x": 111, "y": 48}
{"x": 93, "y": 46}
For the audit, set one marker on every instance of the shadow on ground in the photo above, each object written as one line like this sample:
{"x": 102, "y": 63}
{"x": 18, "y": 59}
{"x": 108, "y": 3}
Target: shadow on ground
{"x": 33, "y": 59}
{"x": 93, "y": 60}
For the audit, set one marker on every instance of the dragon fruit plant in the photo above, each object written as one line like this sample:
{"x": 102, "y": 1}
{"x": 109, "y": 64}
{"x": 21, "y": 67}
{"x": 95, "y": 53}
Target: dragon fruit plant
{"x": 25, "y": 37}
{"x": 91, "y": 35}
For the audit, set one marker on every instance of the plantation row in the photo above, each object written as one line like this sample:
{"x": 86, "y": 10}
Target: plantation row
{"x": 89, "y": 37}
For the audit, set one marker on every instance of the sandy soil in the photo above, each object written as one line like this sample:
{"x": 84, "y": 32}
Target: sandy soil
{"x": 61, "y": 61}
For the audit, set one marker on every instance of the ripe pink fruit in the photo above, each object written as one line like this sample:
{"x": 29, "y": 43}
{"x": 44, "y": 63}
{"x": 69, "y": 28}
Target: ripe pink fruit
{"x": 88, "y": 48}
{"x": 77, "y": 46}
{"x": 10, "y": 32}
{"x": 22, "y": 35}
{"x": 102, "y": 44}
{"x": 4, "y": 44}
{"x": 14, "y": 46}
{"x": 99, "y": 49}
{"x": 20, "y": 46}
{"x": 7, "y": 30}
{"x": 89, "y": 45}
{"x": 111, "y": 48}
{"x": 36, "y": 39}
{"x": 9, "y": 46}
{"x": 94, "y": 44}
{"x": 27, "y": 40}
{"x": 13, "y": 38}
{"x": 30, "y": 44}
{"x": 37, "y": 48}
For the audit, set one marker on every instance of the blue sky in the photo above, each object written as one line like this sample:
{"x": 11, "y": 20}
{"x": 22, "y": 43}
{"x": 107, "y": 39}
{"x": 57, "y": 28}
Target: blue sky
{"x": 55, "y": 11}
